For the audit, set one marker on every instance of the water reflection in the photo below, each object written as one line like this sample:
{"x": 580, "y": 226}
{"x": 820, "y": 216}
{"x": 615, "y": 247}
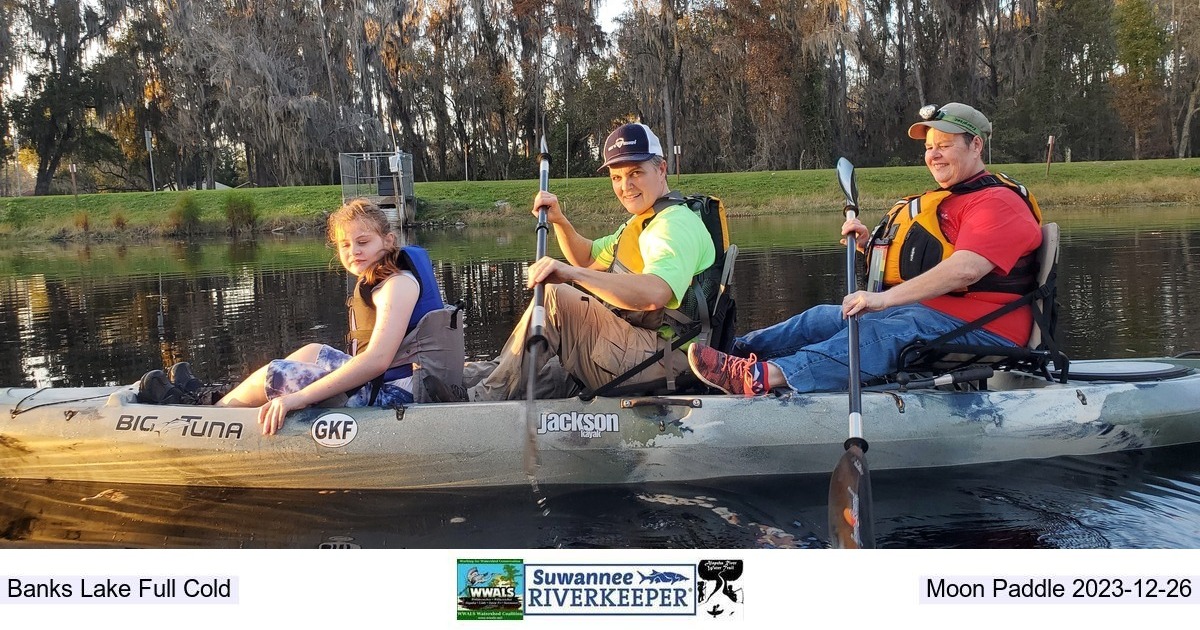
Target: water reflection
{"x": 1123, "y": 500}
{"x": 104, "y": 314}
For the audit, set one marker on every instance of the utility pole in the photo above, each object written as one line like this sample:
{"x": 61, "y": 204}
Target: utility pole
{"x": 17, "y": 157}
{"x": 74, "y": 188}
{"x": 678, "y": 149}
{"x": 150, "y": 150}
{"x": 1049, "y": 152}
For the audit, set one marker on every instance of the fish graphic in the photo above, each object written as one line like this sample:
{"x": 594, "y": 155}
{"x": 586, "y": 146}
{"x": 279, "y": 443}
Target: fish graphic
{"x": 662, "y": 577}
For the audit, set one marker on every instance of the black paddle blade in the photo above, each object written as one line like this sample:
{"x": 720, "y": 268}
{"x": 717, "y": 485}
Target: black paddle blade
{"x": 849, "y": 183}
{"x": 850, "y": 502}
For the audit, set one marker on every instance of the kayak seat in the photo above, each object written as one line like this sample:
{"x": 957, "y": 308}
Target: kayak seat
{"x": 941, "y": 356}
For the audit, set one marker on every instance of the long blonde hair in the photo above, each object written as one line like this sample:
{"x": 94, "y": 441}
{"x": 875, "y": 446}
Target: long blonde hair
{"x": 369, "y": 214}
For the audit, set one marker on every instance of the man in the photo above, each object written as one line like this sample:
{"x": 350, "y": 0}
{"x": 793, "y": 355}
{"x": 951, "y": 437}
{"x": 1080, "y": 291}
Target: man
{"x": 646, "y": 266}
{"x": 990, "y": 233}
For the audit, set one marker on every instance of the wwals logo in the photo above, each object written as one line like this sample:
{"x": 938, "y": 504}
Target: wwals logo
{"x": 490, "y": 589}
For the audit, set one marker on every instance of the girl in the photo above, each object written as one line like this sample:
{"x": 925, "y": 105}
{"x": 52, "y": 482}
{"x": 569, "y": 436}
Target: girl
{"x": 396, "y": 289}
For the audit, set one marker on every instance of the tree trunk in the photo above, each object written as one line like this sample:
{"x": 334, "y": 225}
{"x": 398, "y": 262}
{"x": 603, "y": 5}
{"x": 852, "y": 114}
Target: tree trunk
{"x": 1185, "y": 133}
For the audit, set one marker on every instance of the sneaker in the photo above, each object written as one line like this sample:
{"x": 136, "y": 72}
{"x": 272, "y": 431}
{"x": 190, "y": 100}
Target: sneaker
{"x": 439, "y": 392}
{"x": 182, "y": 377}
{"x": 156, "y": 389}
{"x": 730, "y": 374}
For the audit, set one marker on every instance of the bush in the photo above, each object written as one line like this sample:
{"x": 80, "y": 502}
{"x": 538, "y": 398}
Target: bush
{"x": 184, "y": 216}
{"x": 16, "y": 216}
{"x": 241, "y": 212}
{"x": 120, "y": 221}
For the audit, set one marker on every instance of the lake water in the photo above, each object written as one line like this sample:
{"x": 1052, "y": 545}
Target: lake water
{"x": 104, "y": 314}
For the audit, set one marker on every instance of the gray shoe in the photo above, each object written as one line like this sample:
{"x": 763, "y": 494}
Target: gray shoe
{"x": 156, "y": 389}
{"x": 182, "y": 377}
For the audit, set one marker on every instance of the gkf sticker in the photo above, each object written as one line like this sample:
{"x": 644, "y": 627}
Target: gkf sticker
{"x": 491, "y": 589}
{"x": 719, "y": 588}
{"x": 334, "y": 430}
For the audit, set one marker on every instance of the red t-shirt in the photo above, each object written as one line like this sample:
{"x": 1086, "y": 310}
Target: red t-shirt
{"x": 995, "y": 223}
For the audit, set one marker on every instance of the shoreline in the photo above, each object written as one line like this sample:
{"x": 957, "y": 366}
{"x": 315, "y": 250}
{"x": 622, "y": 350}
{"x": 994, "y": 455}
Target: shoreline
{"x": 148, "y": 216}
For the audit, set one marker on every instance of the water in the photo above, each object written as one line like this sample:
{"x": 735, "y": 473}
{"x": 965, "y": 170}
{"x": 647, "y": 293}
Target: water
{"x": 104, "y": 314}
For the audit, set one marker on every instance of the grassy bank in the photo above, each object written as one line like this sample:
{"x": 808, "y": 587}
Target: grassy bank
{"x": 143, "y": 215}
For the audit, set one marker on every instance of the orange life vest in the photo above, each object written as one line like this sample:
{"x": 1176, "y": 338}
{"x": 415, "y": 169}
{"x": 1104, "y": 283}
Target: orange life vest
{"x": 909, "y": 240}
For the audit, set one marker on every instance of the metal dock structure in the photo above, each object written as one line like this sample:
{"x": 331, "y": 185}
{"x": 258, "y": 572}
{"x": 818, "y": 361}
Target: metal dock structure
{"x": 386, "y": 178}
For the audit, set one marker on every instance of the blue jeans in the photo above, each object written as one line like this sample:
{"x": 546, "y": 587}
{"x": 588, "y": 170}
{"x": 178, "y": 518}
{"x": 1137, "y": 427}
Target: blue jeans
{"x": 812, "y": 348}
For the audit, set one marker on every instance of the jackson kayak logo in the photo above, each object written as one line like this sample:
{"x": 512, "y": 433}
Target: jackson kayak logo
{"x": 334, "y": 430}
{"x": 610, "y": 589}
{"x": 589, "y": 425}
{"x": 490, "y": 589}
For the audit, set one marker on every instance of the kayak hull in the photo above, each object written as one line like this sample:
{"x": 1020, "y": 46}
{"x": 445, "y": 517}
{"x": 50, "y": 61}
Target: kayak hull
{"x": 104, "y": 435}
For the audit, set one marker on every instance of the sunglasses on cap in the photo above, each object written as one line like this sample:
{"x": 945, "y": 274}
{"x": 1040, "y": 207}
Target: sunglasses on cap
{"x": 931, "y": 113}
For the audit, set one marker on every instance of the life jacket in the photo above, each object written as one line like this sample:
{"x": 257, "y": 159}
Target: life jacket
{"x": 707, "y": 313}
{"x": 433, "y": 341}
{"x": 909, "y": 240}
{"x": 706, "y": 303}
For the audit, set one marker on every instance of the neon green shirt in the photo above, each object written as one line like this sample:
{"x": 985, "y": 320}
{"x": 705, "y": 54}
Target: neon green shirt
{"x": 675, "y": 246}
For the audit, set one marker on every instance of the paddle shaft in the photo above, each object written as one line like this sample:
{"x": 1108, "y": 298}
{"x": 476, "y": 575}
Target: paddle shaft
{"x": 852, "y": 329}
{"x": 537, "y": 325}
{"x": 537, "y": 319}
{"x": 850, "y": 524}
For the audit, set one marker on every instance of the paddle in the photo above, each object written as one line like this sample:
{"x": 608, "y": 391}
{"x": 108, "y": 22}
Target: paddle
{"x": 537, "y": 324}
{"x": 850, "y": 486}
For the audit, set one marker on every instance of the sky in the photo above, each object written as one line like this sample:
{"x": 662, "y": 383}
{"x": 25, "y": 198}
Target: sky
{"x": 609, "y": 10}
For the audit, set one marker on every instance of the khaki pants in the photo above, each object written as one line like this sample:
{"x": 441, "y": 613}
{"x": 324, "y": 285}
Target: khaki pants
{"x": 589, "y": 341}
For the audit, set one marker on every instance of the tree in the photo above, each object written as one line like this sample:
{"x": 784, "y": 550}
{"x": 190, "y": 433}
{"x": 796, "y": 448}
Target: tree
{"x": 61, "y": 90}
{"x": 1141, "y": 49}
{"x": 1183, "y": 22}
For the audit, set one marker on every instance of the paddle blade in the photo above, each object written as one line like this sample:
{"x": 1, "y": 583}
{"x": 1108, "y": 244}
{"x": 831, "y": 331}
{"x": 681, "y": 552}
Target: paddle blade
{"x": 850, "y": 524}
{"x": 848, "y": 182}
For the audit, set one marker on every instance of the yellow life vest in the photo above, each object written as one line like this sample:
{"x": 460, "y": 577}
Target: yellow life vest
{"x": 628, "y": 256}
{"x": 704, "y": 303}
{"x": 909, "y": 240}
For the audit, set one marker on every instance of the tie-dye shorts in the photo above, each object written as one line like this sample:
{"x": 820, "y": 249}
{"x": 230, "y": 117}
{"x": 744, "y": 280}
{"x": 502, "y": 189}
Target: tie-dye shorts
{"x": 286, "y": 377}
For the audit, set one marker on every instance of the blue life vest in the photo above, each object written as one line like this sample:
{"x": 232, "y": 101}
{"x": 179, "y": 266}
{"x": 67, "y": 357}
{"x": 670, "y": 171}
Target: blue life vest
{"x": 361, "y": 306}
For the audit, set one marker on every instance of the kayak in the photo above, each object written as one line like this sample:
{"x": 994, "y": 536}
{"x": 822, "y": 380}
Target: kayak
{"x": 102, "y": 434}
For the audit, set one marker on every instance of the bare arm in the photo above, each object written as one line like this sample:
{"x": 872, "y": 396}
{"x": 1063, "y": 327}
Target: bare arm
{"x": 962, "y": 269}
{"x": 634, "y": 292}
{"x": 394, "y": 303}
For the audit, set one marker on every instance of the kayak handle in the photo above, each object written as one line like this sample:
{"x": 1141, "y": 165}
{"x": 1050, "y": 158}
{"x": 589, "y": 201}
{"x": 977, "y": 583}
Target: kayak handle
{"x": 660, "y": 401}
